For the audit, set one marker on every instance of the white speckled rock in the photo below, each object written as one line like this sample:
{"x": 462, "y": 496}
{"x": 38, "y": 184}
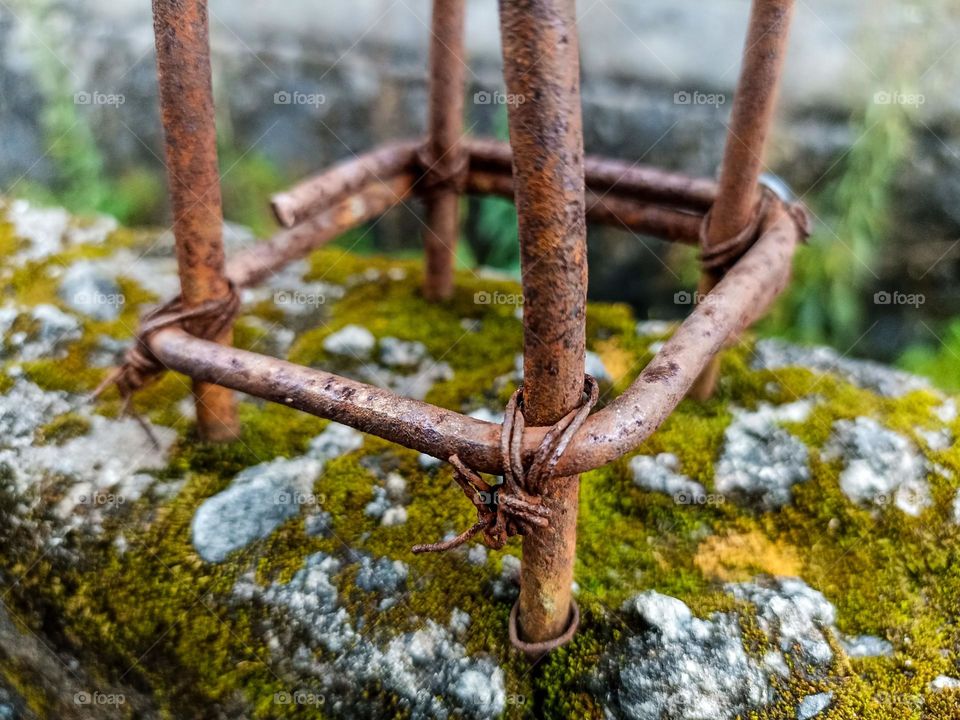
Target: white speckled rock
{"x": 880, "y": 466}
{"x": 760, "y": 460}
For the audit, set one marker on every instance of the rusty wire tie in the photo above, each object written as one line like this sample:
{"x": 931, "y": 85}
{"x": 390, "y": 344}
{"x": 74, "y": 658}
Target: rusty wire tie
{"x": 448, "y": 173}
{"x": 515, "y": 505}
{"x": 141, "y": 366}
{"x": 722, "y": 256}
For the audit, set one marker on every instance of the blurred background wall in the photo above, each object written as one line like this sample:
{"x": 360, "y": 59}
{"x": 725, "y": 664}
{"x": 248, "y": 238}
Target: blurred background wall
{"x": 868, "y": 135}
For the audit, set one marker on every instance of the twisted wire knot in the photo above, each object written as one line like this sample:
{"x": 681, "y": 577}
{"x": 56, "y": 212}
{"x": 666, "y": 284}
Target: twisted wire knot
{"x": 722, "y": 256}
{"x": 444, "y": 174}
{"x": 140, "y": 366}
{"x": 515, "y": 506}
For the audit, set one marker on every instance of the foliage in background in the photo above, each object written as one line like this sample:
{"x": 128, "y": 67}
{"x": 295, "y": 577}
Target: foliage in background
{"x": 833, "y": 274}
{"x": 940, "y": 363}
{"x": 496, "y": 222}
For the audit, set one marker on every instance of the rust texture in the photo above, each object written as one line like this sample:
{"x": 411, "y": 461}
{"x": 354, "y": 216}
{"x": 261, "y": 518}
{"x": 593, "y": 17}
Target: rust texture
{"x": 609, "y": 208}
{"x": 443, "y": 156}
{"x": 542, "y": 74}
{"x": 257, "y": 263}
{"x": 752, "y": 114}
{"x": 743, "y": 296}
{"x": 747, "y": 240}
{"x": 602, "y": 175}
{"x": 186, "y": 111}
{"x": 341, "y": 181}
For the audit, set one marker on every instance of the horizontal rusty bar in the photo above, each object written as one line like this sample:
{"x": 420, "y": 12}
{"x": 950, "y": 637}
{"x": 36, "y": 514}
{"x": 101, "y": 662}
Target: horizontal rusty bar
{"x": 489, "y": 159}
{"x": 367, "y": 203}
{"x": 603, "y": 175}
{"x": 741, "y": 297}
{"x": 611, "y": 208}
{"x": 342, "y": 180}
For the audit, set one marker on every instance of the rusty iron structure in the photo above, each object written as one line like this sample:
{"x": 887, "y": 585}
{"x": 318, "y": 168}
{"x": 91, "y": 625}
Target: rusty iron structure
{"x": 746, "y": 235}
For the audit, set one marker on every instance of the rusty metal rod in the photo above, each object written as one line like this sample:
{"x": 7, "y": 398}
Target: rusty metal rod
{"x": 541, "y": 69}
{"x": 186, "y": 111}
{"x": 261, "y": 260}
{"x": 602, "y": 175}
{"x": 621, "y": 211}
{"x": 742, "y": 296}
{"x": 342, "y": 180}
{"x": 751, "y": 117}
{"x": 444, "y": 159}
{"x": 487, "y": 157}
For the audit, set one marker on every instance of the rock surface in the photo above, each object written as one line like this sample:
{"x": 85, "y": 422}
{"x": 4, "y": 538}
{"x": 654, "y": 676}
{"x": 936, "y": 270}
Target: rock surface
{"x": 782, "y": 552}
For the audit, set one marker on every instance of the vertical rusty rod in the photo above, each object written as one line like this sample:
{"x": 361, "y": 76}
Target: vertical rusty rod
{"x": 541, "y": 70}
{"x": 444, "y": 155}
{"x": 186, "y": 111}
{"x": 751, "y": 117}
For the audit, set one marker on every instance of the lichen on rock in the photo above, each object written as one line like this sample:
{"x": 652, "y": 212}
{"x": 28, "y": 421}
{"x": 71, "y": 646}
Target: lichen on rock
{"x": 733, "y": 565}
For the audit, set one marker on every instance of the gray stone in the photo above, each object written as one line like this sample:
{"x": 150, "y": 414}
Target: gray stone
{"x": 773, "y": 354}
{"x": 353, "y": 341}
{"x": 813, "y": 705}
{"x": 382, "y": 575}
{"x": 680, "y": 667}
{"x": 943, "y": 682}
{"x": 880, "y": 465}
{"x": 428, "y": 671}
{"x": 257, "y": 501}
{"x": 862, "y": 646}
{"x": 793, "y": 612}
{"x": 49, "y": 331}
{"x": 401, "y": 353}
{"x": 684, "y": 668}
{"x": 335, "y": 440}
{"x": 88, "y": 290}
{"x": 760, "y": 459}
{"x": 393, "y": 516}
{"x": 319, "y": 524}
{"x": 659, "y": 474}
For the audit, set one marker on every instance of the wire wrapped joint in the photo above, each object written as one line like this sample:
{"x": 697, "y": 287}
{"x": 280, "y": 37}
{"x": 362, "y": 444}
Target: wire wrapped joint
{"x": 515, "y": 505}
{"x": 140, "y": 367}
{"x": 721, "y": 256}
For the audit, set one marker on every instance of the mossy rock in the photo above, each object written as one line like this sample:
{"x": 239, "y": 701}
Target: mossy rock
{"x": 787, "y": 549}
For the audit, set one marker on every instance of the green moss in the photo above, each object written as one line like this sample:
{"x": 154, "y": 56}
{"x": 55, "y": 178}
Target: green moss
{"x": 159, "y": 610}
{"x": 62, "y": 429}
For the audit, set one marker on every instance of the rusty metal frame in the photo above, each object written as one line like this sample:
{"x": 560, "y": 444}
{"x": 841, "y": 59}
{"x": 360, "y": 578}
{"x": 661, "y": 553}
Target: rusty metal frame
{"x": 556, "y": 190}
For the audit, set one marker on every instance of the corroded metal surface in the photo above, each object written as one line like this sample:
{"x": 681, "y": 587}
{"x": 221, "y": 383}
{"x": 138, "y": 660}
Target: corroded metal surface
{"x": 342, "y": 181}
{"x": 443, "y": 157}
{"x": 258, "y": 262}
{"x": 541, "y": 68}
{"x": 186, "y": 110}
{"x": 747, "y": 247}
{"x": 739, "y": 299}
{"x": 753, "y": 106}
